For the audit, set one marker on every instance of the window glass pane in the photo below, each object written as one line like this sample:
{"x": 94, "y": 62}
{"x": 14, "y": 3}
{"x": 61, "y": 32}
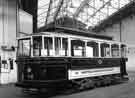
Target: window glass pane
{"x": 48, "y": 47}
{"x": 20, "y": 48}
{"x": 0, "y": 61}
{"x": 105, "y": 50}
{"x": 57, "y": 46}
{"x": 37, "y": 45}
{"x": 64, "y": 51}
{"x": 24, "y": 47}
{"x": 92, "y": 49}
{"x": 123, "y": 50}
{"x": 115, "y": 50}
{"x": 77, "y": 48}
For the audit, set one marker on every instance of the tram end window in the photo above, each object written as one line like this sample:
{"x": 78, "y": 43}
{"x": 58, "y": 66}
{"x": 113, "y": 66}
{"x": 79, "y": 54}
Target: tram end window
{"x": 24, "y": 48}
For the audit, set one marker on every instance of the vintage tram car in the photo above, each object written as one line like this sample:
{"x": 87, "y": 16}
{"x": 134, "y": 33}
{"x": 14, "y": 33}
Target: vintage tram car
{"x": 50, "y": 59}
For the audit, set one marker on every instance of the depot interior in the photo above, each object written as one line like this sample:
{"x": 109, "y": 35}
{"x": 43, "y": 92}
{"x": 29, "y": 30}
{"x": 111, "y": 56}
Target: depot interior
{"x": 114, "y": 18}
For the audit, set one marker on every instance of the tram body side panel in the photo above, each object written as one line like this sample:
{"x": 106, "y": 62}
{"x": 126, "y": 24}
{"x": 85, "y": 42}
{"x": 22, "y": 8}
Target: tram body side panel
{"x": 42, "y": 72}
{"x": 94, "y": 67}
{"x": 76, "y": 74}
{"x": 58, "y": 70}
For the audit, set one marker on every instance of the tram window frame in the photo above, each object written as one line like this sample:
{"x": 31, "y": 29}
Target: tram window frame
{"x": 39, "y": 46}
{"x": 22, "y": 47}
{"x": 74, "y": 49}
{"x": 64, "y": 49}
{"x": 115, "y": 50}
{"x": 105, "y": 50}
{"x": 61, "y": 48}
{"x": 123, "y": 50}
{"x": 94, "y": 47}
{"x": 47, "y": 47}
{"x": 57, "y": 44}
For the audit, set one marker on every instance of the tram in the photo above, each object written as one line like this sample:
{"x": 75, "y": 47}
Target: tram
{"x": 52, "y": 59}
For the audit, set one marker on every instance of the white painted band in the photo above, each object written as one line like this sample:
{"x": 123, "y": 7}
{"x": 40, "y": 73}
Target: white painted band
{"x": 76, "y": 74}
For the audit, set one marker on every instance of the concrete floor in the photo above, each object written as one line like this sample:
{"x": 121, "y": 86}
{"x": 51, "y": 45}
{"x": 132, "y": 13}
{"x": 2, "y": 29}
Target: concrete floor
{"x": 125, "y": 90}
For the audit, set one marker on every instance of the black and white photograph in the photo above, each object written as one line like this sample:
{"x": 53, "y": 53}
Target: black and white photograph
{"x": 67, "y": 48}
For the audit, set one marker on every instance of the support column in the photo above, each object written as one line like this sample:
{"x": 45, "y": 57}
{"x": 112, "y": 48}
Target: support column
{"x": 99, "y": 49}
{"x": 53, "y": 45}
{"x": 69, "y": 47}
{"x": 43, "y": 46}
{"x": 110, "y": 49}
{"x": 85, "y": 49}
{"x": 120, "y": 50}
{"x": 32, "y": 46}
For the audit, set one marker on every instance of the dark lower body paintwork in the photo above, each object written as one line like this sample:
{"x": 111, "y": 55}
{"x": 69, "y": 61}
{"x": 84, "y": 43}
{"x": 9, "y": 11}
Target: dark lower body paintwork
{"x": 57, "y": 69}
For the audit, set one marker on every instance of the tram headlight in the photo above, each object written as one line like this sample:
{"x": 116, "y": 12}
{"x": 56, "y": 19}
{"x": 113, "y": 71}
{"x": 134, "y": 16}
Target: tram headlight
{"x": 29, "y": 70}
{"x": 30, "y": 74}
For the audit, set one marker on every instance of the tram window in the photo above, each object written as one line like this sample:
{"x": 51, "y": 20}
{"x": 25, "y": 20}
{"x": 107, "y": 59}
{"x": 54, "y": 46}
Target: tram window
{"x": 92, "y": 49}
{"x": 123, "y": 50}
{"x": 48, "y": 47}
{"x": 57, "y": 46}
{"x": 105, "y": 50}
{"x": 115, "y": 50}
{"x": 0, "y": 61}
{"x": 77, "y": 48}
{"x": 23, "y": 47}
{"x": 64, "y": 51}
{"x": 37, "y": 45}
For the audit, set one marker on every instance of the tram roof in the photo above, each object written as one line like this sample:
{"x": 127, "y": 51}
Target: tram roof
{"x": 75, "y": 31}
{"x": 61, "y": 34}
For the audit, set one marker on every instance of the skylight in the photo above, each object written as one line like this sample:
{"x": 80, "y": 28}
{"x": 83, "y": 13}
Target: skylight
{"x": 90, "y": 12}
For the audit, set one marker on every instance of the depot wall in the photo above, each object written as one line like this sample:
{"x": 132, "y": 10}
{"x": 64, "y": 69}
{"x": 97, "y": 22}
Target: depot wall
{"x": 124, "y": 32}
{"x": 8, "y": 41}
{"x": 8, "y": 22}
